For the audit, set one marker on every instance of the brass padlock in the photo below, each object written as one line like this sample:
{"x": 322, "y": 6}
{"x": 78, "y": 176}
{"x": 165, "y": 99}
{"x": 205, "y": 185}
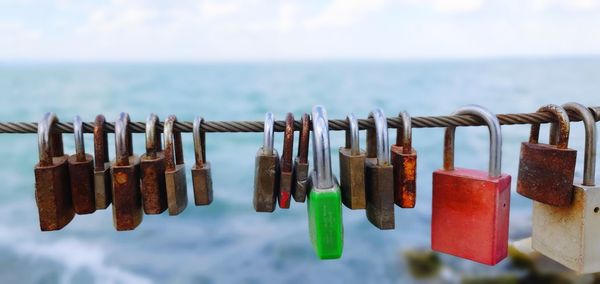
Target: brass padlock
{"x": 201, "y": 176}
{"x": 352, "y": 168}
{"x": 569, "y": 235}
{"x": 379, "y": 174}
{"x": 286, "y": 181}
{"x": 546, "y": 171}
{"x": 404, "y": 159}
{"x": 266, "y": 174}
{"x": 175, "y": 170}
{"x": 301, "y": 161}
{"x": 152, "y": 167}
{"x": 102, "y": 177}
{"x": 52, "y": 188}
{"x": 81, "y": 173}
{"x": 127, "y": 200}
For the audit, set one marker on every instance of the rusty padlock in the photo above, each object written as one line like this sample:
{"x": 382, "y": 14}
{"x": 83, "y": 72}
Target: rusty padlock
{"x": 102, "y": 176}
{"x": 352, "y": 168}
{"x": 379, "y": 174}
{"x": 301, "y": 161}
{"x": 52, "y": 188}
{"x": 470, "y": 208}
{"x": 404, "y": 159}
{"x": 175, "y": 171}
{"x": 546, "y": 171}
{"x": 286, "y": 180}
{"x": 152, "y": 167}
{"x": 569, "y": 235}
{"x": 266, "y": 174}
{"x": 126, "y": 192}
{"x": 201, "y": 176}
{"x": 81, "y": 173}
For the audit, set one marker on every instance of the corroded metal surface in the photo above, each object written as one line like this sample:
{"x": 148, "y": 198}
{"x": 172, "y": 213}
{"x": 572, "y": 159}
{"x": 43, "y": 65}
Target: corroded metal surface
{"x": 175, "y": 169}
{"x": 286, "y": 181}
{"x": 301, "y": 161}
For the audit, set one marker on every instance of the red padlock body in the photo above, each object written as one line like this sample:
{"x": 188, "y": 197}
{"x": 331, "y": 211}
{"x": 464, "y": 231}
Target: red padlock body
{"x": 470, "y": 214}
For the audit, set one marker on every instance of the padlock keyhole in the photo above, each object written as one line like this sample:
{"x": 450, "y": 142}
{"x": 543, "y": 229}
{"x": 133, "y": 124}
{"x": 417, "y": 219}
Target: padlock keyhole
{"x": 596, "y": 209}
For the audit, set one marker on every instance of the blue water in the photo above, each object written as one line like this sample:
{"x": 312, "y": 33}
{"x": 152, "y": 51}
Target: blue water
{"x": 227, "y": 241}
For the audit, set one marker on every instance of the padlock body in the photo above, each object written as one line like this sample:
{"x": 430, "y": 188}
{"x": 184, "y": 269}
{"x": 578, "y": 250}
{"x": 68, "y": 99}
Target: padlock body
{"x": 470, "y": 213}
{"x": 103, "y": 187}
{"x": 301, "y": 180}
{"x": 285, "y": 189}
{"x": 81, "y": 174}
{"x": 325, "y": 222}
{"x": 202, "y": 181}
{"x": 380, "y": 194}
{"x": 176, "y": 189}
{"x": 53, "y": 195}
{"x": 405, "y": 177}
{"x": 126, "y": 193}
{"x": 352, "y": 179}
{"x": 569, "y": 235}
{"x": 546, "y": 173}
{"x": 266, "y": 181}
{"x": 153, "y": 186}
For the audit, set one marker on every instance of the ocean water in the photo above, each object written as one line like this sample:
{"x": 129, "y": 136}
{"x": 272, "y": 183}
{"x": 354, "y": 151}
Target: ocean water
{"x": 227, "y": 242}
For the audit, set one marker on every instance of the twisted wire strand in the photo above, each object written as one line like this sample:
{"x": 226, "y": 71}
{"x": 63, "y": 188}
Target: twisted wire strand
{"x": 334, "y": 124}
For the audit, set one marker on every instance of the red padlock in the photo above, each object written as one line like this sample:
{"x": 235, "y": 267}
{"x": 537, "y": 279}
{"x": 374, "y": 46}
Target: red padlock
{"x": 470, "y": 208}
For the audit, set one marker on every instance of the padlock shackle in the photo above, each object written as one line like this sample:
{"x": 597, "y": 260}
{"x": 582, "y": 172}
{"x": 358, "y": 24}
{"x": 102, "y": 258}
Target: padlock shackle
{"x": 173, "y": 144}
{"x": 269, "y": 133}
{"x": 153, "y": 141}
{"x": 49, "y": 141}
{"x": 404, "y": 133}
{"x": 199, "y": 137}
{"x": 100, "y": 143}
{"x": 321, "y": 153}
{"x": 304, "y": 139}
{"x": 352, "y": 135}
{"x": 589, "y": 162}
{"x": 123, "y": 140}
{"x": 377, "y": 140}
{"x": 288, "y": 144}
{"x": 78, "y": 135}
{"x": 563, "y": 124}
{"x": 495, "y": 162}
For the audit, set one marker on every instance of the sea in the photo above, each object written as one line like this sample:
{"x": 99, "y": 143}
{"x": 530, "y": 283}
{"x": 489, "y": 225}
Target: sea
{"x": 227, "y": 241}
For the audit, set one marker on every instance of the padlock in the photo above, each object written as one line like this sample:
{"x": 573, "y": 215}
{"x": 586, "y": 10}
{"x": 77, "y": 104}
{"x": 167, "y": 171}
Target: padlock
{"x": 379, "y": 174}
{"x": 81, "y": 174}
{"x": 201, "y": 176}
{"x": 152, "y": 167}
{"x": 546, "y": 171}
{"x": 352, "y": 168}
{"x": 470, "y": 208}
{"x": 126, "y": 193}
{"x": 175, "y": 171}
{"x": 301, "y": 161}
{"x": 102, "y": 176}
{"x": 266, "y": 174}
{"x": 404, "y": 159}
{"x": 324, "y": 196}
{"x": 287, "y": 167}
{"x": 569, "y": 235}
{"x": 52, "y": 188}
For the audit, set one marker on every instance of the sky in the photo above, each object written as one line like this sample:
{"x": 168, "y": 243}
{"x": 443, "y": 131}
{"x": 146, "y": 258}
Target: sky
{"x": 296, "y": 30}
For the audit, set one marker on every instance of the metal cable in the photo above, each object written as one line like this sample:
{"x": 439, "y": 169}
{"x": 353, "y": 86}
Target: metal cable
{"x": 334, "y": 124}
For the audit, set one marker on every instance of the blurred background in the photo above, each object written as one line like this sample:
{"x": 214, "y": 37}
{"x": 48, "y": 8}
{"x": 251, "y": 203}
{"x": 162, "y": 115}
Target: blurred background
{"x": 235, "y": 60}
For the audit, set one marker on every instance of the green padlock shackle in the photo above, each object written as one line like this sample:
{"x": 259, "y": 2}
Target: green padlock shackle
{"x": 589, "y": 163}
{"x": 378, "y": 144}
{"x": 321, "y": 154}
{"x": 495, "y": 163}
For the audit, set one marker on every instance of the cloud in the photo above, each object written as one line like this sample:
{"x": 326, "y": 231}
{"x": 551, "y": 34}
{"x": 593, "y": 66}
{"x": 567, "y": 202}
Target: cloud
{"x": 457, "y": 6}
{"x": 342, "y": 13}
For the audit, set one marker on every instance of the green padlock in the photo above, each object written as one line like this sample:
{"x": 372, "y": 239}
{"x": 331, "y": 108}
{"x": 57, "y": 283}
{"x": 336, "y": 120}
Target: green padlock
{"x": 324, "y": 197}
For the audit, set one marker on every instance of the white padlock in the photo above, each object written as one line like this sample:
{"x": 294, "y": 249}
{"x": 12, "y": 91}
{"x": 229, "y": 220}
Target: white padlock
{"x": 571, "y": 235}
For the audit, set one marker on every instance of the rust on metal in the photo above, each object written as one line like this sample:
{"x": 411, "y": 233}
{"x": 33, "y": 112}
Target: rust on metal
{"x": 304, "y": 140}
{"x": 201, "y": 172}
{"x": 152, "y": 166}
{"x": 404, "y": 160}
{"x": 81, "y": 174}
{"x": 175, "y": 169}
{"x": 102, "y": 176}
{"x": 287, "y": 180}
